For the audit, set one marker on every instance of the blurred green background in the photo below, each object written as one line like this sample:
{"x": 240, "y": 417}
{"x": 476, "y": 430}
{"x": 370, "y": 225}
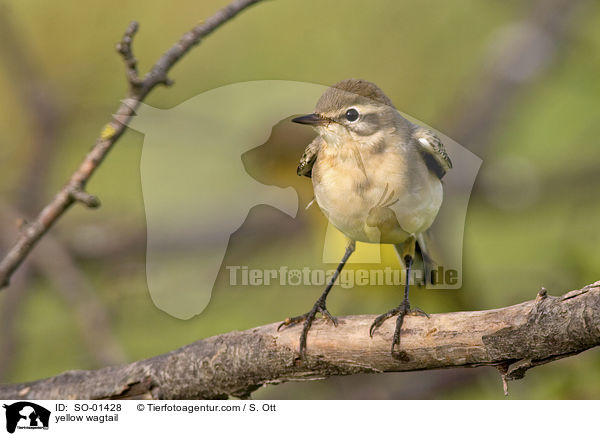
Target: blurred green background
{"x": 515, "y": 82}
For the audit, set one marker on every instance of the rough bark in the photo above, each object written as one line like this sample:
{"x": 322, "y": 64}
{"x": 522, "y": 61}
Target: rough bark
{"x": 513, "y": 339}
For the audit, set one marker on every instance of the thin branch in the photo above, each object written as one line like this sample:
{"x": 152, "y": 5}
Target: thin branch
{"x": 75, "y": 187}
{"x": 85, "y": 198}
{"x": 512, "y": 339}
{"x": 124, "y": 48}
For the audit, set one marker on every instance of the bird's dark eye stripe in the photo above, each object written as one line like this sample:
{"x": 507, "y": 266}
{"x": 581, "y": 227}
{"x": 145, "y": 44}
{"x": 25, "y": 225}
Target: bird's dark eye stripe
{"x": 352, "y": 114}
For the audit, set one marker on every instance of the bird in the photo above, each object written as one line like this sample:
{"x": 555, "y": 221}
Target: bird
{"x": 377, "y": 177}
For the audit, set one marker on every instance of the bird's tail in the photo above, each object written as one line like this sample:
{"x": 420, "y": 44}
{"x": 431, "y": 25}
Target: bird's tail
{"x": 424, "y": 257}
{"x": 426, "y": 249}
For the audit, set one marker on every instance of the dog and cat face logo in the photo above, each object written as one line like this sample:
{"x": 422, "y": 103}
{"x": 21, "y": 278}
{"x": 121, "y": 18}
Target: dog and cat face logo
{"x": 26, "y": 415}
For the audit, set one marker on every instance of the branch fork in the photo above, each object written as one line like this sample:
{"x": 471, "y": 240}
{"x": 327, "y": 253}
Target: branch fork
{"x": 138, "y": 89}
{"x": 89, "y": 200}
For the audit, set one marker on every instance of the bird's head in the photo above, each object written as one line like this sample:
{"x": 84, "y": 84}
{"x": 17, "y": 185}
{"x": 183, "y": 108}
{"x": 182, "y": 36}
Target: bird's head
{"x": 352, "y": 110}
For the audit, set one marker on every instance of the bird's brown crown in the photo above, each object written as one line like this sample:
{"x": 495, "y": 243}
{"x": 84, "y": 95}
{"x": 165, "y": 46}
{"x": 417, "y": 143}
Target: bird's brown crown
{"x": 349, "y": 92}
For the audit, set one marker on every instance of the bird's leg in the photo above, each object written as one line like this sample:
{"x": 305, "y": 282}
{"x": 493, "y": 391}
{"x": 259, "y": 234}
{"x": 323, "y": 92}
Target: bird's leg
{"x": 319, "y": 306}
{"x": 407, "y": 254}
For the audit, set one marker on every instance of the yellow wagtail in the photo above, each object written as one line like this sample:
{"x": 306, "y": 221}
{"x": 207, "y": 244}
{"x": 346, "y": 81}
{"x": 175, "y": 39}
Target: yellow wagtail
{"x": 377, "y": 178}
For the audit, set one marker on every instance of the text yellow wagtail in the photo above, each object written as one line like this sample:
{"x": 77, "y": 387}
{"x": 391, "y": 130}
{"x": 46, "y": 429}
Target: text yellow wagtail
{"x": 377, "y": 178}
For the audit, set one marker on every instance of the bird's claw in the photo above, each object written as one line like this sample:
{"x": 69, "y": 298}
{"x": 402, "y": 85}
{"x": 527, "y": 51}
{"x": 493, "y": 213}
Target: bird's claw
{"x": 402, "y": 310}
{"x": 332, "y": 319}
{"x": 317, "y": 309}
{"x": 292, "y": 320}
{"x": 381, "y": 319}
{"x": 308, "y": 319}
{"x": 418, "y": 312}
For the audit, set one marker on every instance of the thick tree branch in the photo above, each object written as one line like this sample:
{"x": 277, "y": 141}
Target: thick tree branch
{"x": 512, "y": 339}
{"x": 74, "y": 190}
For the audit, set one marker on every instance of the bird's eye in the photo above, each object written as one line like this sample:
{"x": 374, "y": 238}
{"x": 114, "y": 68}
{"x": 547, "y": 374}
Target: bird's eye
{"x": 352, "y": 114}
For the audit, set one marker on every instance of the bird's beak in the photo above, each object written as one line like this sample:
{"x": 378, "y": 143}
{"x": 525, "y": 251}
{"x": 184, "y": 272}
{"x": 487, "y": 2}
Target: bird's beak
{"x": 312, "y": 119}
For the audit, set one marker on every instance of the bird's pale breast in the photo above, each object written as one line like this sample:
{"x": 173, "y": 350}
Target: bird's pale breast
{"x": 378, "y": 194}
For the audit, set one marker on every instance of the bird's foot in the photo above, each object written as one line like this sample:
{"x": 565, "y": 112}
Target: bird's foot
{"x": 308, "y": 319}
{"x": 402, "y": 310}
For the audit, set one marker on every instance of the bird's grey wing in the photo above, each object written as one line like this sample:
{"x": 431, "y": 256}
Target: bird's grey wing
{"x": 309, "y": 157}
{"x": 433, "y": 151}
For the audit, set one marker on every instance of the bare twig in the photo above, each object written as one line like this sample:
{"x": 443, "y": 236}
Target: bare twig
{"x": 85, "y": 198}
{"x": 513, "y": 338}
{"x": 124, "y": 47}
{"x": 75, "y": 187}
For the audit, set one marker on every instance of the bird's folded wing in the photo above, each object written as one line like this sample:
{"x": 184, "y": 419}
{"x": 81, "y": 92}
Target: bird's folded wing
{"x": 433, "y": 151}
{"x": 309, "y": 157}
